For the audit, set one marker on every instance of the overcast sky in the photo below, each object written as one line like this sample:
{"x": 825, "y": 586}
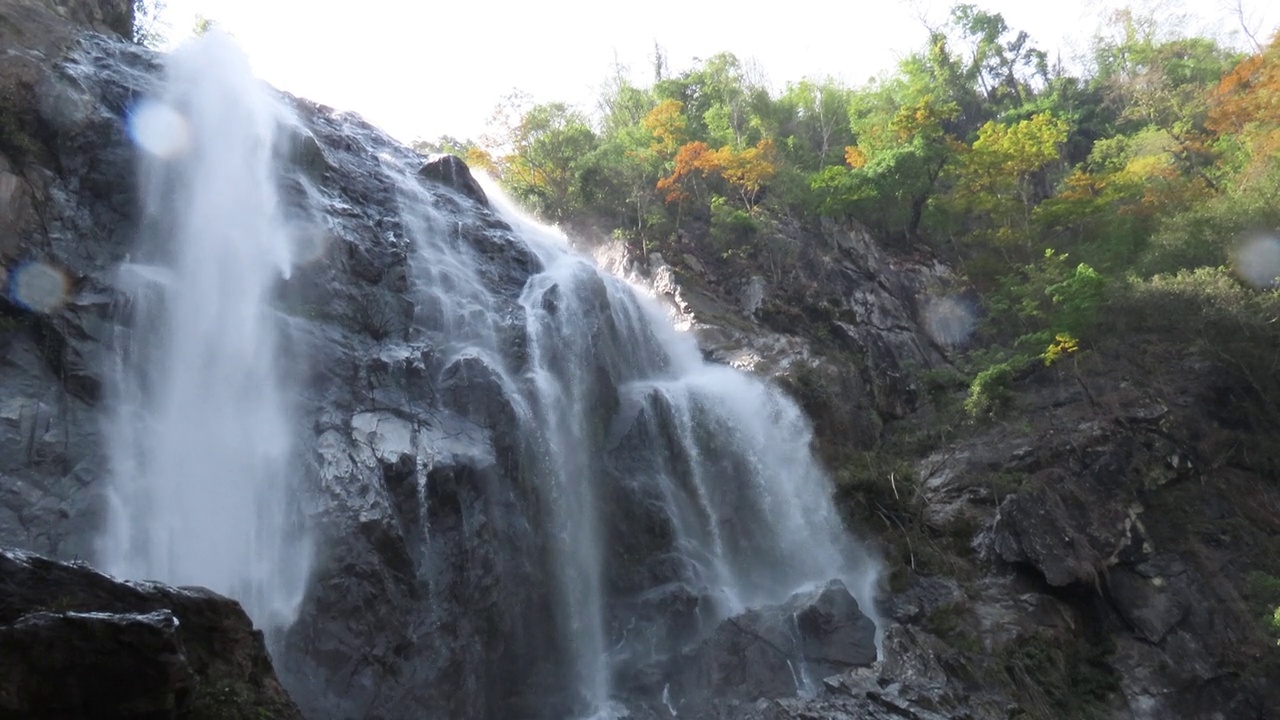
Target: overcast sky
{"x": 422, "y": 69}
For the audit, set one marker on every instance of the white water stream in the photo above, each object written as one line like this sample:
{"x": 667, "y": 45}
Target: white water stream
{"x": 200, "y": 441}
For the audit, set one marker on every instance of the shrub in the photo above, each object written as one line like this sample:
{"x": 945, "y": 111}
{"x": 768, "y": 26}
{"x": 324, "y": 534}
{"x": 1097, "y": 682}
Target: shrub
{"x": 731, "y": 227}
{"x": 991, "y": 390}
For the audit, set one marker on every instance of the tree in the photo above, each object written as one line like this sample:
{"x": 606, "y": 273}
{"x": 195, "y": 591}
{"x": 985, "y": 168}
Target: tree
{"x": 540, "y": 153}
{"x": 998, "y": 181}
{"x": 1005, "y": 65}
{"x": 147, "y": 27}
{"x": 203, "y": 25}
{"x": 817, "y": 116}
{"x": 718, "y": 97}
{"x": 669, "y": 126}
{"x": 691, "y": 158}
{"x": 903, "y": 145}
{"x": 1244, "y": 109}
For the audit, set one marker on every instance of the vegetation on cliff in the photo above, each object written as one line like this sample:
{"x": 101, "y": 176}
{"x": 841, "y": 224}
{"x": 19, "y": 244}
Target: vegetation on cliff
{"x": 1127, "y": 208}
{"x": 1061, "y": 195}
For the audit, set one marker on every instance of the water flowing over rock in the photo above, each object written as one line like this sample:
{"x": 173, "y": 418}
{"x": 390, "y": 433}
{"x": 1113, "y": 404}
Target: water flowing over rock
{"x": 199, "y": 439}
{"x": 522, "y": 482}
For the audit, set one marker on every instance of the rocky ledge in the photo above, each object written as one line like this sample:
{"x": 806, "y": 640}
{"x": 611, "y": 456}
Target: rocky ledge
{"x": 75, "y": 643}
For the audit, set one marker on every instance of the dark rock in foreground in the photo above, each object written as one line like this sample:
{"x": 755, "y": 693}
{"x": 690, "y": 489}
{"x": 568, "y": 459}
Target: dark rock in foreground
{"x": 776, "y": 651}
{"x": 75, "y": 643}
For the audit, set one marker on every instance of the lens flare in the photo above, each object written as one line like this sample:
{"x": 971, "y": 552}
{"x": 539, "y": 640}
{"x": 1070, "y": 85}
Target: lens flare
{"x": 948, "y": 321}
{"x": 159, "y": 129}
{"x": 1257, "y": 261}
{"x": 38, "y": 287}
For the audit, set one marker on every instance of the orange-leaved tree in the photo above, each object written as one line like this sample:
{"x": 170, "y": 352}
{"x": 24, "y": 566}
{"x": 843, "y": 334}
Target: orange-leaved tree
{"x": 1245, "y": 111}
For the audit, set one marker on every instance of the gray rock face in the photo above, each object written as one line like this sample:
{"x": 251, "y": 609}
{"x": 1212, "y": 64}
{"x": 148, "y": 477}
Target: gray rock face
{"x": 864, "y": 303}
{"x": 450, "y": 171}
{"x": 114, "y": 17}
{"x": 821, "y": 633}
{"x": 76, "y": 643}
{"x": 1100, "y": 526}
{"x": 773, "y": 652}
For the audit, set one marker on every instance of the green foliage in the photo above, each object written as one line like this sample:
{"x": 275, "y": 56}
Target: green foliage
{"x": 956, "y": 626}
{"x": 991, "y": 390}
{"x": 1141, "y": 171}
{"x": 1037, "y": 301}
{"x": 1204, "y": 234}
{"x": 731, "y": 227}
{"x": 1059, "y": 678}
{"x": 1236, "y": 327}
{"x": 542, "y": 153}
{"x": 1038, "y": 312}
{"x": 1263, "y": 594}
{"x": 203, "y": 25}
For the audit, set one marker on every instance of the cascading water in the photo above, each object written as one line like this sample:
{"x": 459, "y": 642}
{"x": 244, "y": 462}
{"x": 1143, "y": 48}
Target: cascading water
{"x": 619, "y": 417}
{"x": 200, "y": 441}
{"x": 574, "y": 497}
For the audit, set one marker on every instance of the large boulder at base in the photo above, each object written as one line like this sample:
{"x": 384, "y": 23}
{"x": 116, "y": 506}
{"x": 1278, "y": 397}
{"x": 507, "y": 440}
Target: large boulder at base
{"x": 71, "y": 664}
{"x": 75, "y": 643}
{"x": 777, "y": 651}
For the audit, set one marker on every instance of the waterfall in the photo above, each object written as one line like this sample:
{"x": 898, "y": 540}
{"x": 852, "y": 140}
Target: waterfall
{"x": 617, "y": 498}
{"x": 620, "y": 417}
{"x": 200, "y": 436}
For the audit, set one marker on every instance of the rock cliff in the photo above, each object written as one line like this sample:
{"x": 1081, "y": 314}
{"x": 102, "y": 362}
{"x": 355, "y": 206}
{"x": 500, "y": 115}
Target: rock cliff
{"x": 1088, "y": 556}
{"x": 1099, "y": 550}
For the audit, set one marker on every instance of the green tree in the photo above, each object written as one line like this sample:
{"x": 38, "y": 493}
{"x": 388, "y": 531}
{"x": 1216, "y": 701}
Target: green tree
{"x": 540, "y": 154}
{"x": 998, "y": 181}
{"x": 816, "y": 115}
{"x": 202, "y": 25}
{"x": 1004, "y": 65}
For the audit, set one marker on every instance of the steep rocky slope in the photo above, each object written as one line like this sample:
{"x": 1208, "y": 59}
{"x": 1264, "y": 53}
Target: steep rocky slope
{"x": 1102, "y": 548}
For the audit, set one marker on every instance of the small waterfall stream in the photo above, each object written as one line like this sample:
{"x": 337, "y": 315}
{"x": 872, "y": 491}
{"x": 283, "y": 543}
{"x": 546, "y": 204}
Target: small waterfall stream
{"x": 200, "y": 445}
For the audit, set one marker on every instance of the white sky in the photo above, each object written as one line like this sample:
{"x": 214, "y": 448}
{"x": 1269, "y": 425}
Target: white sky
{"x": 422, "y": 68}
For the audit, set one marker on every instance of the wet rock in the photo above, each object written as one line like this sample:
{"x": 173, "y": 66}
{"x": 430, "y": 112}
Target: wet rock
{"x": 778, "y": 651}
{"x": 69, "y": 664}
{"x": 452, "y": 172}
{"x": 77, "y": 643}
{"x": 114, "y": 16}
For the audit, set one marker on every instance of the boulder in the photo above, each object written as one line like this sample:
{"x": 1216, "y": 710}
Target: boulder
{"x": 72, "y": 664}
{"x": 779, "y": 650}
{"x": 452, "y": 172}
{"x": 77, "y": 643}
